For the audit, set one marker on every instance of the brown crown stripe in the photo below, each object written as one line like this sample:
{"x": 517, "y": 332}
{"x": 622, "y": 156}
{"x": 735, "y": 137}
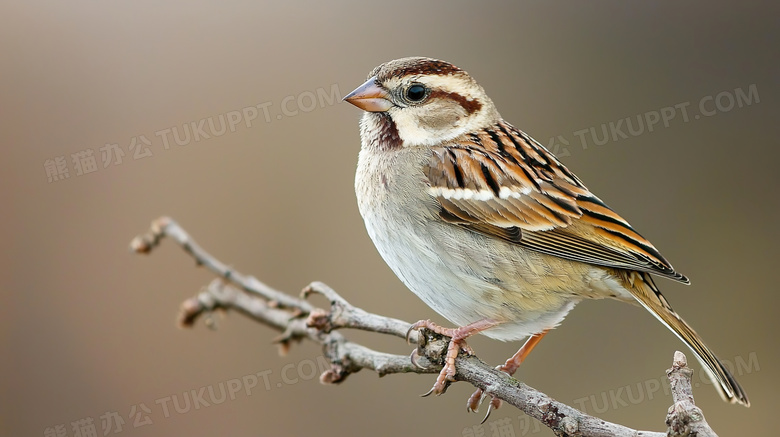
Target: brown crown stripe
{"x": 426, "y": 66}
{"x": 415, "y": 66}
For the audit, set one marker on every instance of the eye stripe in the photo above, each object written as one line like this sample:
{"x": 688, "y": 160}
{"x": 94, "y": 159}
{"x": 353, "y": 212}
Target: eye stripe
{"x": 470, "y": 106}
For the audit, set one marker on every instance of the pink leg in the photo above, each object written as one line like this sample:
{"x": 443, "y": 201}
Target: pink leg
{"x": 510, "y": 367}
{"x": 458, "y": 338}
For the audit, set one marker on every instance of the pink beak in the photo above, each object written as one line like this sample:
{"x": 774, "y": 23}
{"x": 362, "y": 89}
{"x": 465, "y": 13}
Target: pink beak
{"x": 370, "y": 97}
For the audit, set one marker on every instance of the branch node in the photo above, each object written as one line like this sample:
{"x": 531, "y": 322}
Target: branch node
{"x": 569, "y": 426}
{"x": 432, "y": 345}
{"x": 335, "y": 375}
{"x": 189, "y": 310}
{"x": 680, "y": 360}
{"x": 552, "y": 417}
{"x": 341, "y": 365}
{"x": 145, "y": 243}
{"x": 341, "y": 312}
{"x": 320, "y": 320}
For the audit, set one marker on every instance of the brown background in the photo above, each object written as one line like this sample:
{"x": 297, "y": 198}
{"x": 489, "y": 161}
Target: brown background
{"x": 88, "y": 328}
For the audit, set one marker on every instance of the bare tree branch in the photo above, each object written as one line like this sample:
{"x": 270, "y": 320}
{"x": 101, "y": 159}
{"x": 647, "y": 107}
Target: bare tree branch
{"x": 297, "y": 319}
{"x": 684, "y": 418}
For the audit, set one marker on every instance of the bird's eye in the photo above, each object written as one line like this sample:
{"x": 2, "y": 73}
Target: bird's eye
{"x": 416, "y": 93}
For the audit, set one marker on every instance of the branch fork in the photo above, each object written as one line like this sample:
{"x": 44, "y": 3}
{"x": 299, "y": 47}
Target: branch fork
{"x": 297, "y": 320}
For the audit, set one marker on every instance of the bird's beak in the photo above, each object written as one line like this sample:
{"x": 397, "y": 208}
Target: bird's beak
{"x": 370, "y": 97}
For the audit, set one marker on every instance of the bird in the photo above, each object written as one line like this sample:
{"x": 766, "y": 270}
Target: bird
{"x": 489, "y": 228}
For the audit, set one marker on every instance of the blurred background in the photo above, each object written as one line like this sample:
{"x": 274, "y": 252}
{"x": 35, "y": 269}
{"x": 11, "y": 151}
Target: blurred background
{"x": 227, "y": 117}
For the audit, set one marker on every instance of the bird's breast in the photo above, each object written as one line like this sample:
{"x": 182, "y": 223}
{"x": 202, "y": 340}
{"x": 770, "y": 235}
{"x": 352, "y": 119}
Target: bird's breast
{"x": 464, "y": 276}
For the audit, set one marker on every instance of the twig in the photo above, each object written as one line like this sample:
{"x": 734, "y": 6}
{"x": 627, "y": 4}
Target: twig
{"x": 297, "y": 319}
{"x": 684, "y": 418}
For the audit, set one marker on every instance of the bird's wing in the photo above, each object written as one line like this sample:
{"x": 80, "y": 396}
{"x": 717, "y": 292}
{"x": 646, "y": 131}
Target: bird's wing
{"x": 502, "y": 183}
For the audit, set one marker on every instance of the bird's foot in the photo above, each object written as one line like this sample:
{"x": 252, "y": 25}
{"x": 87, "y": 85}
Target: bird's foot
{"x": 476, "y": 398}
{"x": 509, "y": 367}
{"x": 457, "y": 343}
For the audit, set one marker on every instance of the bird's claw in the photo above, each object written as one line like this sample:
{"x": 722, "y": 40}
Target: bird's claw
{"x": 456, "y": 344}
{"x": 495, "y": 403}
{"x": 475, "y": 400}
{"x": 428, "y": 393}
{"x": 409, "y": 332}
{"x": 440, "y": 386}
{"x": 414, "y": 357}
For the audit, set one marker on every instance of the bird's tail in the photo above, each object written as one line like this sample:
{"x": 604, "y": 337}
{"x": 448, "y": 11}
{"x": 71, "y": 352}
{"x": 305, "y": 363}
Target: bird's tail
{"x": 645, "y": 291}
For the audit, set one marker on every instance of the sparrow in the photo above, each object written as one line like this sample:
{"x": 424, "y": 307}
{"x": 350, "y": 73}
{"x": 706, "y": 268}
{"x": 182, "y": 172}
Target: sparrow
{"x": 487, "y": 226}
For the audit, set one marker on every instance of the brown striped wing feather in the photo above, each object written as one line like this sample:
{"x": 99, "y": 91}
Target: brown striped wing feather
{"x": 502, "y": 183}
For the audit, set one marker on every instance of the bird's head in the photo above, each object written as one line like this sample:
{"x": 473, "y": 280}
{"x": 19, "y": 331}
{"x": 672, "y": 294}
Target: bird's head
{"x": 422, "y": 101}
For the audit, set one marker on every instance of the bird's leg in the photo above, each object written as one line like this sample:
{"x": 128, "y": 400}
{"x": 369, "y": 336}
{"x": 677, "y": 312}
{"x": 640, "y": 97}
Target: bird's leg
{"x": 513, "y": 363}
{"x": 509, "y": 367}
{"x": 458, "y": 338}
